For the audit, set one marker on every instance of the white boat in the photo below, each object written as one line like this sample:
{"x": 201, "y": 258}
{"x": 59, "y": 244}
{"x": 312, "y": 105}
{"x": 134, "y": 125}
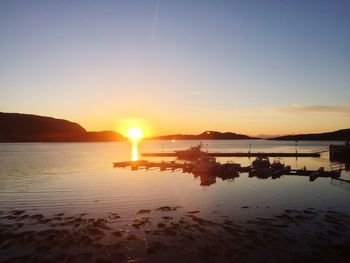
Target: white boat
{"x": 191, "y": 153}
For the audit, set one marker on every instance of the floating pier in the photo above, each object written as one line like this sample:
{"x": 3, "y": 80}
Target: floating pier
{"x": 239, "y": 154}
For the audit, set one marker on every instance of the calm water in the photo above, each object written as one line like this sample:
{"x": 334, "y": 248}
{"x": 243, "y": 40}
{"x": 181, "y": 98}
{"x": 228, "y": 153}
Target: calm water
{"x": 79, "y": 177}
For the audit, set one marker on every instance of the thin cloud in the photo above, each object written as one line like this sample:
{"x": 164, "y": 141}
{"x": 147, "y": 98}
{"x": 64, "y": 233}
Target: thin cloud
{"x": 342, "y": 109}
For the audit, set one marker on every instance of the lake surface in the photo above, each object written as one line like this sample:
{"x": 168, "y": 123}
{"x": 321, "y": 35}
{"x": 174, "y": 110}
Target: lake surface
{"x": 50, "y": 178}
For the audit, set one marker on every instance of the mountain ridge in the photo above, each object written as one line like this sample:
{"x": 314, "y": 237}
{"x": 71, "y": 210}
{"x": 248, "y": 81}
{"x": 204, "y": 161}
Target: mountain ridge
{"x": 207, "y": 135}
{"x": 20, "y": 127}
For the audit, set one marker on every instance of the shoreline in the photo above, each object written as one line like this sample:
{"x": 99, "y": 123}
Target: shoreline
{"x": 170, "y": 233}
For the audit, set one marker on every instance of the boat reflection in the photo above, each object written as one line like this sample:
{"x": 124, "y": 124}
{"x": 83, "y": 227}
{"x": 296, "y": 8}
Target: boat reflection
{"x": 207, "y": 169}
{"x": 207, "y": 179}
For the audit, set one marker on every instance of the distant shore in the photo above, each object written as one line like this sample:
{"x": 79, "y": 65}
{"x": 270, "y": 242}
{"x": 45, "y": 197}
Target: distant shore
{"x": 15, "y": 127}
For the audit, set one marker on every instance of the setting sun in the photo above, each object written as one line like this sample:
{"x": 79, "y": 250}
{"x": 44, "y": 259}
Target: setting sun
{"x": 135, "y": 133}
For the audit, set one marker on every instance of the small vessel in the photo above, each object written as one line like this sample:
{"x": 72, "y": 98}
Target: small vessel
{"x": 277, "y": 164}
{"x": 206, "y": 164}
{"x": 191, "y": 153}
{"x": 261, "y": 161}
{"x": 228, "y": 168}
{"x": 261, "y": 167}
{"x": 279, "y": 168}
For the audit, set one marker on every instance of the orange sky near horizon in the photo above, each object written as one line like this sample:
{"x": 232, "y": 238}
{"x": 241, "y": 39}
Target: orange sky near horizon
{"x": 267, "y": 122}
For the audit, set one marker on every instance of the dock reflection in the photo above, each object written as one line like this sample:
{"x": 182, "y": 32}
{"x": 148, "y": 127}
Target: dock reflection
{"x": 209, "y": 170}
{"x": 207, "y": 179}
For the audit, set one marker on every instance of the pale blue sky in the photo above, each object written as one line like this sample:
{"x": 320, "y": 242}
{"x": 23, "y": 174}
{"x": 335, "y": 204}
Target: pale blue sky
{"x": 179, "y": 66}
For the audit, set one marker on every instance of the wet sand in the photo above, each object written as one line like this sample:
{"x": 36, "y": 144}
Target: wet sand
{"x": 172, "y": 234}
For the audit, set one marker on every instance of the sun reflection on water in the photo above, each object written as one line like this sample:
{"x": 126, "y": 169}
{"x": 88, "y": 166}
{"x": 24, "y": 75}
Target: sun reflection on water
{"x": 135, "y": 134}
{"x": 134, "y": 150}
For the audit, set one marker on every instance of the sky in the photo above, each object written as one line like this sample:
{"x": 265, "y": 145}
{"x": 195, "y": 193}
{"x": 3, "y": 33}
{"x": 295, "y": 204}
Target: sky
{"x": 251, "y": 67}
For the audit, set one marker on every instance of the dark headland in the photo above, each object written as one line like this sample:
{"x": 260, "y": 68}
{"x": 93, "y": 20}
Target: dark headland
{"x": 15, "y": 127}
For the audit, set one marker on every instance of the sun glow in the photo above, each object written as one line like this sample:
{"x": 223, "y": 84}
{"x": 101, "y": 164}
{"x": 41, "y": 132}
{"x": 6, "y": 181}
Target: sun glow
{"x": 135, "y": 133}
{"x": 133, "y": 128}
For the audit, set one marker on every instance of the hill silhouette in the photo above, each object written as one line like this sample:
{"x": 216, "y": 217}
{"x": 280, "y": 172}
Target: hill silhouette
{"x": 16, "y": 127}
{"x": 340, "y": 135}
{"x": 207, "y": 135}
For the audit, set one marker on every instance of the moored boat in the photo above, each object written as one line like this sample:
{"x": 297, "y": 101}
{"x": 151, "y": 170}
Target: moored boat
{"x": 261, "y": 167}
{"x": 261, "y": 161}
{"x": 279, "y": 168}
{"x": 191, "y": 153}
{"x": 206, "y": 164}
{"x": 277, "y": 164}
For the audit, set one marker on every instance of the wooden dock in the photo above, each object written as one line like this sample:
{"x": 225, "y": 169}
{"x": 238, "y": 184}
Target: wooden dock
{"x": 239, "y": 154}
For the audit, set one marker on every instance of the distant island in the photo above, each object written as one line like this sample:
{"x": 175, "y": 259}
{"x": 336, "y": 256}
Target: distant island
{"x": 340, "y": 135}
{"x": 16, "y": 127}
{"x": 207, "y": 135}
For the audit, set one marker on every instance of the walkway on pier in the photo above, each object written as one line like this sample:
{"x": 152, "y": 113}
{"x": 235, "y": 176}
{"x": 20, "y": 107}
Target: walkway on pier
{"x": 239, "y": 154}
